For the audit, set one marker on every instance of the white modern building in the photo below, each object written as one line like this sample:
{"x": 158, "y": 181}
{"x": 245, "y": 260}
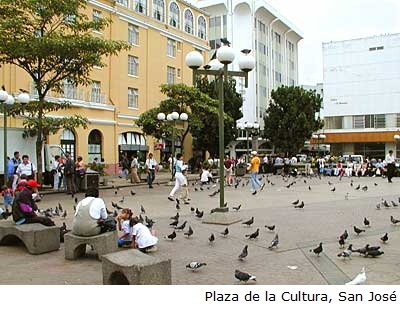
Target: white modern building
{"x": 362, "y": 95}
{"x": 273, "y": 42}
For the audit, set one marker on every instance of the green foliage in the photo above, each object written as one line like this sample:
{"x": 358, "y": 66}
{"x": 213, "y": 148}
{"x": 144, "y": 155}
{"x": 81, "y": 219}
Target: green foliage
{"x": 201, "y": 109}
{"x": 208, "y": 138}
{"x": 52, "y": 41}
{"x": 291, "y": 118}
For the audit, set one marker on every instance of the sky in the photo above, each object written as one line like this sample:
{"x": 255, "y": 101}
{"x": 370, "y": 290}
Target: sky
{"x": 335, "y": 20}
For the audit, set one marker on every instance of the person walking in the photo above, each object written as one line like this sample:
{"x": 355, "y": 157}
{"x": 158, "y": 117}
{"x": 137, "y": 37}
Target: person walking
{"x": 134, "y": 170}
{"x": 16, "y": 161}
{"x": 151, "y": 165}
{"x": 254, "y": 168}
{"x": 180, "y": 178}
{"x": 228, "y": 171}
{"x": 390, "y": 165}
{"x": 56, "y": 171}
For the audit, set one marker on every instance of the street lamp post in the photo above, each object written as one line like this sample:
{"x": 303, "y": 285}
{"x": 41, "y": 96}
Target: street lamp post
{"x": 219, "y": 69}
{"x": 249, "y": 128}
{"x": 172, "y": 117}
{"x": 318, "y": 137}
{"x": 8, "y": 100}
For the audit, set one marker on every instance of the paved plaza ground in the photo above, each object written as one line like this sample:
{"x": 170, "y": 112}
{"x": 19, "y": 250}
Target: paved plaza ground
{"x": 325, "y": 216}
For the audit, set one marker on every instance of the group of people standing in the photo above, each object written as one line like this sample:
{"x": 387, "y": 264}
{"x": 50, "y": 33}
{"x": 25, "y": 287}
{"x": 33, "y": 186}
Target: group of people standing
{"x": 68, "y": 173}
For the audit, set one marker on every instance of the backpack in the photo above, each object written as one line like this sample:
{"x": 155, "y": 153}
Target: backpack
{"x": 109, "y": 224}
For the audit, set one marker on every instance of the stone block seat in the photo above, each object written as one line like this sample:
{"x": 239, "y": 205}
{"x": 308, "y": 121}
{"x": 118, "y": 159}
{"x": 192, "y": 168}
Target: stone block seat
{"x": 38, "y": 239}
{"x": 75, "y": 246}
{"x": 132, "y": 267}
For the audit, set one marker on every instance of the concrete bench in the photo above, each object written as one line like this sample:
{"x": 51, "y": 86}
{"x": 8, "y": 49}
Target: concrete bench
{"x": 75, "y": 246}
{"x": 38, "y": 239}
{"x": 135, "y": 268}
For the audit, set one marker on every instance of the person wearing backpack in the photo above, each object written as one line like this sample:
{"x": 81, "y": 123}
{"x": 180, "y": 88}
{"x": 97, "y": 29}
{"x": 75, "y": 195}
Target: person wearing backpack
{"x": 90, "y": 215}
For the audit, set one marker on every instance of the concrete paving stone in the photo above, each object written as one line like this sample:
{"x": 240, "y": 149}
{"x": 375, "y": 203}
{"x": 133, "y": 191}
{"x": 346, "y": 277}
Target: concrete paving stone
{"x": 325, "y": 216}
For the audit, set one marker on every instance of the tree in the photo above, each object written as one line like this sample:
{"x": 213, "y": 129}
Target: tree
{"x": 51, "y": 41}
{"x": 291, "y": 118}
{"x": 201, "y": 109}
{"x": 233, "y": 102}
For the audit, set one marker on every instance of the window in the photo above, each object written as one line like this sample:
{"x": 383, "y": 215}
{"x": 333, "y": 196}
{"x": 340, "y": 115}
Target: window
{"x": 261, "y": 26}
{"x": 69, "y": 89}
{"x": 158, "y": 10}
{"x": 380, "y": 121}
{"x": 292, "y": 65}
{"x": 174, "y": 18}
{"x": 124, "y": 3}
{"x": 96, "y": 18}
{"x": 358, "y": 122}
{"x": 170, "y": 75}
{"x": 67, "y": 142}
{"x": 263, "y": 91}
{"x": 262, "y": 48}
{"x": 398, "y": 120}
{"x": 141, "y": 6}
{"x": 133, "y": 65}
{"x": 94, "y": 145}
{"x": 188, "y": 22}
{"x": 334, "y": 122}
{"x": 369, "y": 121}
{"x": 69, "y": 19}
{"x": 290, "y": 46}
{"x": 133, "y": 34}
{"x": 171, "y": 47}
{"x": 201, "y": 28}
{"x": 277, "y": 38}
{"x": 133, "y": 95}
{"x": 278, "y": 76}
{"x": 96, "y": 92}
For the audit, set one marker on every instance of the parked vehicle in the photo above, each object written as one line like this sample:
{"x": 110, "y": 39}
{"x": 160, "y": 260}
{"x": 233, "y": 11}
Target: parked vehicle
{"x": 17, "y": 142}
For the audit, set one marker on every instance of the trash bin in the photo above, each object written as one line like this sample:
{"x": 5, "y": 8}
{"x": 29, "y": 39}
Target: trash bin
{"x": 240, "y": 170}
{"x": 91, "y": 180}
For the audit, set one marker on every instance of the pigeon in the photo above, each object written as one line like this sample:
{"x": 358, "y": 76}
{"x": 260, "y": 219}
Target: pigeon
{"x": 189, "y": 233}
{"x": 225, "y": 41}
{"x": 347, "y": 253}
{"x": 367, "y": 223}
{"x": 365, "y": 188}
{"x": 200, "y": 214}
{"x": 351, "y": 184}
{"x": 301, "y": 205}
{"x": 182, "y": 226}
{"x": 249, "y": 222}
{"x": 194, "y": 265}
{"x": 177, "y": 201}
{"x": 206, "y": 67}
{"x": 378, "y": 206}
{"x": 385, "y": 238}
{"x": 213, "y": 194}
{"x": 309, "y": 188}
{"x": 197, "y": 211}
{"x": 118, "y": 207}
{"x": 358, "y": 187}
{"x": 393, "y": 220}
{"x": 225, "y": 204}
{"x": 333, "y": 189}
{"x": 359, "y": 279}
{"x": 74, "y": 207}
{"x": 122, "y": 200}
{"x": 174, "y": 223}
{"x": 192, "y": 209}
{"x": 237, "y": 208}
{"x": 245, "y": 51}
{"x": 254, "y": 235}
{"x": 226, "y": 232}
{"x": 375, "y": 184}
{"x": 142, "y": 210}
{"x": 385, "y": 203}
{"x": 394, "y": 204}
{"x": 63, "y": 231}
{"x": 317, "y": 250}
{"x": 295, "y": 202}
{"x": 373, "y": 253}
{"x": 113, "y": 204}
{"x": 329, "y": 183}
{"x": 358, "y": 230}
{"x": 60, "y": 207}
{"x": 177, "y": 206}
{"x": 76, "y": 200}
{"x": 342, "y": 241}
{"x": 244, "y": 276}
{"x": 201, "y": 189}
{"x": 115, "y": 214}
{"x": 64, "y": 214}
{"x": 270, "y": 228}
{"x": 211, "y": 238}
{"x": 133, "y": 193}
{"x": 345, "y": 235}
{"x": 176, "y": 217}
{"x": 172, "y": 236}
{"x": 274, "y": 242}
{"x": 244, "y": 253}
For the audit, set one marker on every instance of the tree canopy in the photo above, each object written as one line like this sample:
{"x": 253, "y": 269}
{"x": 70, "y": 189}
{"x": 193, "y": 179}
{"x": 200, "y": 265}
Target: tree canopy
{"x": 52, "y": 41}
{"x": 291, "y": 118}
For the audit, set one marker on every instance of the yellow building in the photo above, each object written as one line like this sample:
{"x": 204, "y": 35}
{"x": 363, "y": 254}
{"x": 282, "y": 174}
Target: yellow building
{"x": 161, "y": 33}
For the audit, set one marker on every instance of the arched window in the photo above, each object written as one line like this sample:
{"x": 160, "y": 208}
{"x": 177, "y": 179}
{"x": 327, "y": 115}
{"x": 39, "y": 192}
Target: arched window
{"x": 67, "y": 142}
{"x": 189, "y": 25}
{"x": 174, "y": 18}
{"x": 158, "y": 10}
{"x": 141, "y": 6}
{"x": 94, "y": 145}
{"x": 201, "y": 28}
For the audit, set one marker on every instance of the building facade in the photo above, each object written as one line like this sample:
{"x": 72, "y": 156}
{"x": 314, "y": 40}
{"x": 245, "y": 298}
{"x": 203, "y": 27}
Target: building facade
{"x": 362, "y": 95}
{"x": 161, "y": 33}
{"x": 273, "y": 41}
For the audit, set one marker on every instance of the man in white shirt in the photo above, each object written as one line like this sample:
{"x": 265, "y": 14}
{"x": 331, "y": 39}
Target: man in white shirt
{"x": 151, "y": 165}
{"x": 390, "y": 165}
{"x": 142, "y": 238}
{"x": 27, "y": 168}
{"x": 89, "y": 214}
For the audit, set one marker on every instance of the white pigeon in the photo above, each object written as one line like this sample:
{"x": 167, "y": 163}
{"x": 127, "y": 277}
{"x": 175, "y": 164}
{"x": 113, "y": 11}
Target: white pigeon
{"x": 359, "y": 279}
{"x": 194, "y": 265}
